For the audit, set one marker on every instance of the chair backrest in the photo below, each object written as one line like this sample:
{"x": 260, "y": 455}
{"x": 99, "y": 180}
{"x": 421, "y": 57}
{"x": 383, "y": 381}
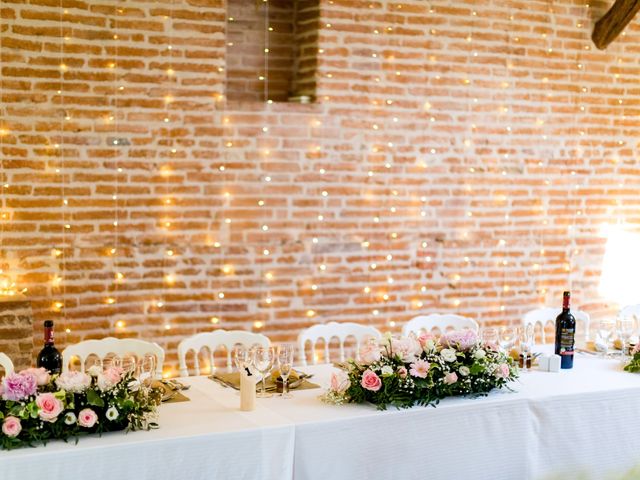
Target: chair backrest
{"x": 327, "y": 331}
{"x": 441, "y": 321}
{"x": 116, "y": 346}
{"x": 631, "y": 310}
{"x": 6, "y": 363}
{"x": 544, "y": 315}
{"x": 212, "y": 340}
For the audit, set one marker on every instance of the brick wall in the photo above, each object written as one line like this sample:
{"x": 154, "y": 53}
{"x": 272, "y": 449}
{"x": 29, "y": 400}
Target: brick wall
{"x": 462, "y": 157}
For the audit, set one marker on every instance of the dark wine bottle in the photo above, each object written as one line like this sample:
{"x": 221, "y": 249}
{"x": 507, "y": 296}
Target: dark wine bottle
{"x": 565, "y": 333}
{"x": 49, "y": 357}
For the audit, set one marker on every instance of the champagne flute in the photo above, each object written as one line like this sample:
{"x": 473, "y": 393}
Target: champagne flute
{"x": 624, "y": 326}
{"x": 285, "y": 365}
{"x": 508, "y": 337}
{"x": 263, "y": 358}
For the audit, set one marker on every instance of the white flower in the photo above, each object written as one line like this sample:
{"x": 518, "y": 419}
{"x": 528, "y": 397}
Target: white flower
{"x": 134, "y": 385}
{"x": 387, "y": 370}
{"x": 480, "y": 353}
{"x": 448, "y": 354}
{"x": 464, "y": 371}
{"x": 70, "y": 418}
{"x": 94, "y": 370}
{"x": 76, "y": 382}
{"x": 429, "y": 346}
{"x": 112, "y": 413}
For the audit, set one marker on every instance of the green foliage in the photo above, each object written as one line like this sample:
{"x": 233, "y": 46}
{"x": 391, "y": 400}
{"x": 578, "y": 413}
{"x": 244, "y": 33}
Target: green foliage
{"x": 136, "y": 410}
{"x": 472, "y": 369}
{"x": 634, "y": 364}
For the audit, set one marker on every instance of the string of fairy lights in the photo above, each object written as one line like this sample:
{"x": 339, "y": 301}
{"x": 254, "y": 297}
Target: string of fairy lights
{"x": 379, "y": 173}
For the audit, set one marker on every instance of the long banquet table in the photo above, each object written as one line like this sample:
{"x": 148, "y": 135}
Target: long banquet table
{"x": 553, "y": 425}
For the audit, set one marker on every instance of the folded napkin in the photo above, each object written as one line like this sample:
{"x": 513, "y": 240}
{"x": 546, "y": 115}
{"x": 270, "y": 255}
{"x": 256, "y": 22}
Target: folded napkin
{"x": 169, "y": 394}
{"x": 233, "y": 380}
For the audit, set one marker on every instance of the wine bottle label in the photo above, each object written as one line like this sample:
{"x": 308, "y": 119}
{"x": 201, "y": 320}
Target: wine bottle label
{"x": 567, "y": 336}
{"x": 48, "y": 334}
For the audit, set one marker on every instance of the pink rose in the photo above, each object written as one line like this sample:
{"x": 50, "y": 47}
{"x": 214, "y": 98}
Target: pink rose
{"x": 41, "y": 375}
{"x": 450, "y": 378}
{"x": 11, "y": 426}
{"x": 87, "y": 418}
{"x": 502, "y": 371}
{"x": 419, "y": 369}
{"x": 371, "y": 381}
{"x": 402, "y": 372}
{"x": 49, "y": 407}
{"x": 73, "y": 381}
{"x": 109, "y": 378}
{"x": 369, "y": 353}
{"x": 340, "y": 382}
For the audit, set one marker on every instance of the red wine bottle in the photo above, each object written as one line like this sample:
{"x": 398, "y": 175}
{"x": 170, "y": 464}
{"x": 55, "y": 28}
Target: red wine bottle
{"x": 49, "y": 357}
{"x": 565, "y": 333}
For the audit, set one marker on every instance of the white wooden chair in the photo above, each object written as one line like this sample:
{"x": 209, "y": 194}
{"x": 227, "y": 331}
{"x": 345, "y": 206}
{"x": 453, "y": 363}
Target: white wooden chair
{"x": 116, "y": 346}
{"x": 6, "y": 363}
{"x": 328, "y": 331}
{"x": 441, "y": 321}
{"x": 545, "y": 315}
{"x": 632, "y": 311}
{"x": 212, "y": 340}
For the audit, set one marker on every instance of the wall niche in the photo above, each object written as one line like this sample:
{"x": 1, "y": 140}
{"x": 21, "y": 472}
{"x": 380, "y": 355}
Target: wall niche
{"x": 289, "y": 30}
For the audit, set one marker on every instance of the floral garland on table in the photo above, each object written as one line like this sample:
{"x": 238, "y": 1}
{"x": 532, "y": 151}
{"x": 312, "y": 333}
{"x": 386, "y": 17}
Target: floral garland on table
{"x": 36, "y": 407}
{"x": 411, "y": 371}
{"x": 634, "y": 364}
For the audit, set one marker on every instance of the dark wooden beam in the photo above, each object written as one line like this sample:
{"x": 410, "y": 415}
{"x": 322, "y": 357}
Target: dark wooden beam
{"x": 613, "y": 22}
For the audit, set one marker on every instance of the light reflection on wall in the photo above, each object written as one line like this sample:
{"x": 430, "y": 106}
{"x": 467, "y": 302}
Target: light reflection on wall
{"x": 621, "y": 266}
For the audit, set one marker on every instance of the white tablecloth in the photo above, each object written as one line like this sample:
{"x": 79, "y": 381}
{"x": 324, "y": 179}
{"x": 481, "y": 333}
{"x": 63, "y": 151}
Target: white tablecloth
{"x": 553, "y": 425}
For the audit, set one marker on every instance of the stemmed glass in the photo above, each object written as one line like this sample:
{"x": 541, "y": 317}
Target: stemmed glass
{"x": 147, "y": 370}
{"x": 242, "y": 357}
{"x": 624, "y": 326}
{"x": 605, "y": 330}
{"x": 263, "y": 358}
{"x": 285, "y": 365}
{"x": 490, "y": 336}
{"x": 508, "y": 337}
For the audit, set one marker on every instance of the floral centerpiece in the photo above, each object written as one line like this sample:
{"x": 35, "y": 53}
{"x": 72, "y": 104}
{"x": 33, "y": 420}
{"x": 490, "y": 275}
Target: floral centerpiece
{"x": 36, "y": 407}
{"x": 634, "y": 364}
{"x": 411, "y": 371}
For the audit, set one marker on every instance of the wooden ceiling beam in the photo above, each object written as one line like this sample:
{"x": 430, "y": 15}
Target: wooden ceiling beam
{"x": 614, "y": 22}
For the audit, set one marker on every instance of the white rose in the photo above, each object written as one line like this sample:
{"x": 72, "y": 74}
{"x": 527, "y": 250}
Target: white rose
{"x": 448, "y": 354}
{"x": 94, "y": 370}
{"x": 387, "y": 370}
{"x": 480, "y": 353}
{"x": 429, "y": 346}
{"x": 112, "y": 413}
{"x": 464, "y": 371}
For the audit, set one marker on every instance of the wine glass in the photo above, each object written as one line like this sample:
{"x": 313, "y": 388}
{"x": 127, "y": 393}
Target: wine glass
{"x": 624, "y": 326}
{"x": 285, "y": 365}
{"x": 508, "y": 337}
{"x": 605, "y": 329}
{"x": 128, "y": 363}
{"x": 263, "y": 358}
{"x": 147, "y": 370}
{"x": 490, "y": 337}
{"x": 242, "y": 357}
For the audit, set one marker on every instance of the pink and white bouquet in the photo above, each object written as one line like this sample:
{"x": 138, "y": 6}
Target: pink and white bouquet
{"x": 36, "y": 407}
{"x": 421, "y": 370}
